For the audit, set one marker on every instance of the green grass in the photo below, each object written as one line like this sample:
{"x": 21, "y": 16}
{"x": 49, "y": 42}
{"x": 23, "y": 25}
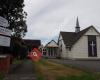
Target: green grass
{"x": 47, "y": 70}
{"x": 1, "y": 76}
{"x": 39, "y": 75}
{"x": 17, "y": 61}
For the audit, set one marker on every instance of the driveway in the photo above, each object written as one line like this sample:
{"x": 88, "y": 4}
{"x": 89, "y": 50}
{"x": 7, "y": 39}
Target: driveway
{"x": 93, "y": 66}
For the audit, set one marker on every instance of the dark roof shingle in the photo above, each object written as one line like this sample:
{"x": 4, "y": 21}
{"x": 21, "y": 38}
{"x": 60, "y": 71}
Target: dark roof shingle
{"x": 32, "y": 42}
{"x": 70, "y": 38}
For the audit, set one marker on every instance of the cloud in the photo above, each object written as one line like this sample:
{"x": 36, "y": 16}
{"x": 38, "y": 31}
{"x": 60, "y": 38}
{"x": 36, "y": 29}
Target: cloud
{"x": 47, "y": 17}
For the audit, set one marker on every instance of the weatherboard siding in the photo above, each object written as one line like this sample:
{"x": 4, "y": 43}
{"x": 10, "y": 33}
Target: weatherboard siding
{"x": 98, "y": 46}
{"x": 63, "y": 54}
{"x": 91, "y": 31}
{"x": 64, "y": 51}
{"x": 80, "y": 49}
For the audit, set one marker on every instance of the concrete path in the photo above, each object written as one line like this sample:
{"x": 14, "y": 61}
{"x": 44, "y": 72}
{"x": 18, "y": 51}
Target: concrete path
{"x": 23, "y": 72}
{"x": 92, "y": 66}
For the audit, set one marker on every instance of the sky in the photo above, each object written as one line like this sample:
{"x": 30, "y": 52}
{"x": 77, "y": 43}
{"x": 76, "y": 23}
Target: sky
{"x": 46, "y": 18}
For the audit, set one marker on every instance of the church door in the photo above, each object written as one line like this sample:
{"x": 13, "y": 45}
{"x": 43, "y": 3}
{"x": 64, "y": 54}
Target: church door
{"x": 92, "y": 46}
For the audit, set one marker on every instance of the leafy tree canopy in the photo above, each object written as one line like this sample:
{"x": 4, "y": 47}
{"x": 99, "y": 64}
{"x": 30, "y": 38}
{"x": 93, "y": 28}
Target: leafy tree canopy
{"x": 13, "y": 11}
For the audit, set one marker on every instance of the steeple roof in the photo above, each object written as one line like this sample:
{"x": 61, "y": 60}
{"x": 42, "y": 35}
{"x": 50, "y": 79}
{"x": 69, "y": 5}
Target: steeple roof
{"x": 77, "y": 23}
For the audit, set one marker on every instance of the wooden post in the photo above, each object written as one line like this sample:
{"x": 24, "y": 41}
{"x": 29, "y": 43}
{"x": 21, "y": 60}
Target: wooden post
{"x": 4, "y": 64}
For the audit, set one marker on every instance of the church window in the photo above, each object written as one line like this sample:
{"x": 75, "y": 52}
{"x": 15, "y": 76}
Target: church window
{"x": 44, "y": 51}
{"x": 92, "y": 46}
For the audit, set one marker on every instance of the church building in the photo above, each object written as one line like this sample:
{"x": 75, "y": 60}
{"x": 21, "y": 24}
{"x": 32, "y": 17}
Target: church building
{"x": 51, "y": 50}
{"x": 81, "y": 44}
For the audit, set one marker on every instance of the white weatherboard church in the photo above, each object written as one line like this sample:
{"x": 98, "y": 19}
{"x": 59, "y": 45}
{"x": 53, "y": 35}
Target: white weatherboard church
{"x": 84, "y": 44}
{"x": 52, "y": 49}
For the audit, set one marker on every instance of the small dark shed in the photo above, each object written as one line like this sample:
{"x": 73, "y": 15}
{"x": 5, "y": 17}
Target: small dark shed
{"x": 32, "y": 43}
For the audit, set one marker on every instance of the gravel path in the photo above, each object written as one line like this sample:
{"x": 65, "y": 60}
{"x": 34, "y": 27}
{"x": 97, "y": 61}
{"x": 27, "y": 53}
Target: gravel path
{"x": 23, "y": 72}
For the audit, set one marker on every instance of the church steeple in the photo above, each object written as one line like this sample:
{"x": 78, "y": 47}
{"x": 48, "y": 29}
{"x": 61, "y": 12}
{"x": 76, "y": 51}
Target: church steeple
{"x": 77, "y": 28}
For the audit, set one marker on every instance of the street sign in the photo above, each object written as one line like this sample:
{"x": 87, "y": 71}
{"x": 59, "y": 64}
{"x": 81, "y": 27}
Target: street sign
{"x": 4, "y": 41}
{"x": 4, "y": 31}
{"x": 3, "y": 56}
{"x": 3, "y": 22}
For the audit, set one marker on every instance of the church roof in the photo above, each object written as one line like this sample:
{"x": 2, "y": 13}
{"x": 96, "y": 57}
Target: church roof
{"x": 70, "y": 38}
{"x": 49, "y": 44}
{"x": 77, "y": 23}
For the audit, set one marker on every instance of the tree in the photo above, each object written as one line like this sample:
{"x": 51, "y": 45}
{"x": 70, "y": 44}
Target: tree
{"x": 18, "y": 48}
{"x": 13, "y": 11}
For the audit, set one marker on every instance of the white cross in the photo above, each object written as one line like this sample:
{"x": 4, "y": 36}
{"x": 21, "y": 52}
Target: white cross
{"x": 34, "y": 54}
{"x": 92, "y": 44}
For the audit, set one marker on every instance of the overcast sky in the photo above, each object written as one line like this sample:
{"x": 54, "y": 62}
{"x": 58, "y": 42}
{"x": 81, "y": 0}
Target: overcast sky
{"x": 46, "y": 18}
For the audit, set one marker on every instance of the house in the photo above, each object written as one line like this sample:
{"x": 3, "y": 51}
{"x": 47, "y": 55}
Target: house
{"x": 32, "y": 43}
{"x": 51, "y": 50}
{"x": 84, "y": 44}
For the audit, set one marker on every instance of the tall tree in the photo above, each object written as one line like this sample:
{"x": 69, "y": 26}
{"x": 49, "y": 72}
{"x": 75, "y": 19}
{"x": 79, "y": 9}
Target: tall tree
{"x": 13, "y": 11}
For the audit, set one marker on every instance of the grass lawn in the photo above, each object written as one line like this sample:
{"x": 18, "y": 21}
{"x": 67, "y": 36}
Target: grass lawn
{"x": 47, "y": 70}
{"x": 17, "y": 61}
{"x": 1, "y": 76}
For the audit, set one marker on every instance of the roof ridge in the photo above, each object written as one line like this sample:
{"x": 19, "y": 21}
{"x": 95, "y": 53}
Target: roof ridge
{"x": 86, "y": 28}
{"x": 66, "y": 32}
{"x": 51, "y": 41}
{"x": 70, "y": 38}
